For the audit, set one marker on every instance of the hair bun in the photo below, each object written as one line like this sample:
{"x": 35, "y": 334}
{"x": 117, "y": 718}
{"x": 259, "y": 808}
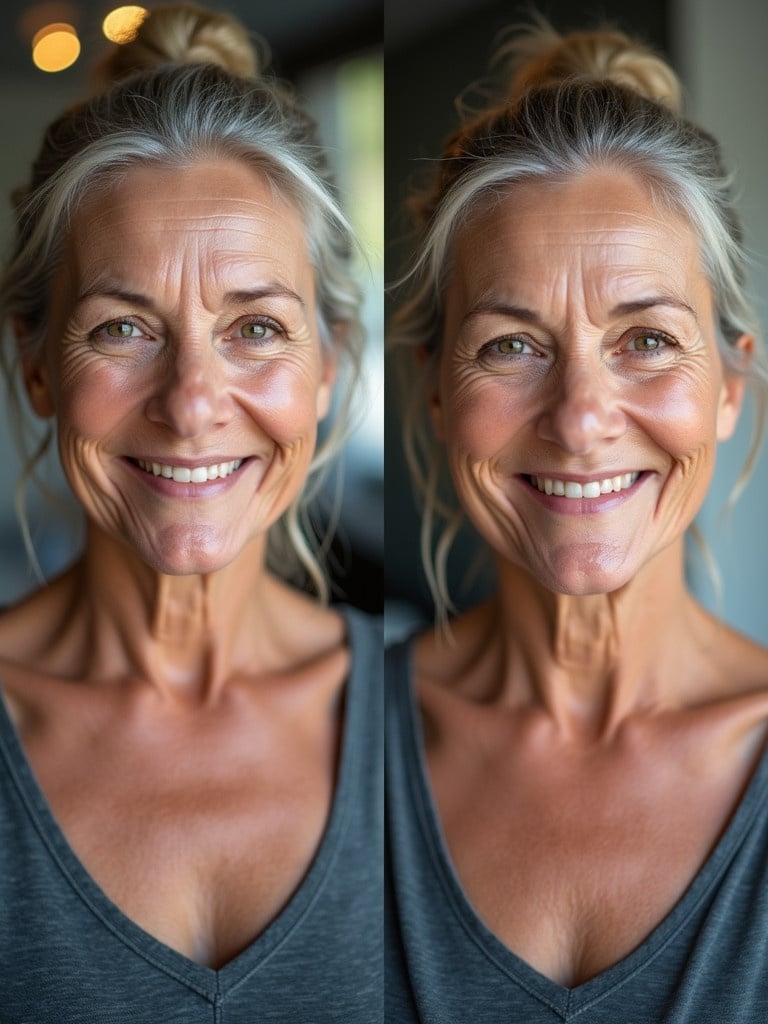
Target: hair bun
{"x": 184, "y": 33}
{"x": 542, "y": 57}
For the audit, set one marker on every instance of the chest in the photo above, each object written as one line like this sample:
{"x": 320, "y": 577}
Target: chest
{"x": 573, "y": 864}
{"x": 199, "y": 830}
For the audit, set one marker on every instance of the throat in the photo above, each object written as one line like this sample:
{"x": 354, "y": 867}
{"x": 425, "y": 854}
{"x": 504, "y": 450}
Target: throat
{"x": 182, "y": 611}
{"x": 585, "y": 633}
{"x": 585, "y": 644}
{"x": 182, "y": 632}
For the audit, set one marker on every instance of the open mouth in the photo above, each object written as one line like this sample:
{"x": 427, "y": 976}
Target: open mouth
{"x": 190, "y": 474}
{"x": 588, "y": 489}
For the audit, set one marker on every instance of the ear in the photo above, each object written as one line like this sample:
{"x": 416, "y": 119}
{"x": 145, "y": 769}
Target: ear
{"x": 434, "y": 399}
{"x": 35, "y": 372}
{"x": 325, "y": 387}
{"x": 733, "y": 387}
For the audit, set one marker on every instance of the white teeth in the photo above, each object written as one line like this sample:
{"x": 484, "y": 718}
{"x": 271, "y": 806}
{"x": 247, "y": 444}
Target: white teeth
{"x": 197, "y": 475}
{"x": 591, "y": 489}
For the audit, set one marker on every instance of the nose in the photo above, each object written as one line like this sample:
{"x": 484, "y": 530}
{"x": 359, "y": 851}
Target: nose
{"x": 582, "y": 410}
{"x": 190, "y": 396}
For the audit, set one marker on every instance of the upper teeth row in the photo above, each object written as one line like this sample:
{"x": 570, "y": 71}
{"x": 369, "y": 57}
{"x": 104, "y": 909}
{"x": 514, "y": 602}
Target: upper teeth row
{"x": 592, "y": 489}
{"x": 185, "y": 475}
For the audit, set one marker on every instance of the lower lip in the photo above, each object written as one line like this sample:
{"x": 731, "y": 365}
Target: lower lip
{"x": 172, "y": 489}
{"x": 584, "y": 506}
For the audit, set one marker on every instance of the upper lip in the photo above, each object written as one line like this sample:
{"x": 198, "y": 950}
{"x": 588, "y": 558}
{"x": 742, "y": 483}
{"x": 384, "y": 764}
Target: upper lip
{"x": 193, "y": 463}
{"x": 583, "y": 478}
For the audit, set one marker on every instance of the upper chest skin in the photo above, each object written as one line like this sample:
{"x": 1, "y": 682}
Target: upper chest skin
{"x": 199, "y": 824}
{"x": 573, "y": 856}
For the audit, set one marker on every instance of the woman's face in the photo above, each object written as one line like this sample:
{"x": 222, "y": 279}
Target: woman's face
{"x": 581, "y": 394}
{"x": 183, "y": 362}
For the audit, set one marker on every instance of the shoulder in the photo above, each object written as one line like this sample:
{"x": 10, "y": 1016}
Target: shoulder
{"x": 736, "y": 665}
{"x": 33, "y": 629}
{"x": 449, "y": 656}
{"x": 35, "y": 635}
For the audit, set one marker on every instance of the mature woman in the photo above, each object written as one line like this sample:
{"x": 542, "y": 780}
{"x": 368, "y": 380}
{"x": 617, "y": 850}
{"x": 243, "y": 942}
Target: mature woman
{"x": 577, "y": 789}
{"x": 190, "y": 785}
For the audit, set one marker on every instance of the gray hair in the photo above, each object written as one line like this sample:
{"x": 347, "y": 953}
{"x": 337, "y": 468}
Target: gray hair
{"x": 557, "y": 132}
{"x": 174, "y": 115}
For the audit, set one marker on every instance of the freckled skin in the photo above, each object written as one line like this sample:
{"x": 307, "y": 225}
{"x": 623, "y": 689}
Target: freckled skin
{"x": 590, "y": 728}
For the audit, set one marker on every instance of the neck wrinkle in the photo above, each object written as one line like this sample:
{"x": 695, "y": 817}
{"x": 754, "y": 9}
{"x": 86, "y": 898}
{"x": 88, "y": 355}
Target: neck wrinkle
{"x": 590, "y": 662}
{"x": 183, "y": 635}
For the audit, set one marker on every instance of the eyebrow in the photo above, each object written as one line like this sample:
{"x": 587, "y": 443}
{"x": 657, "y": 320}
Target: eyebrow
{"x": 640, "y": 305}
{"x": 239, "y": 297}
{"x": 491, "y": 306}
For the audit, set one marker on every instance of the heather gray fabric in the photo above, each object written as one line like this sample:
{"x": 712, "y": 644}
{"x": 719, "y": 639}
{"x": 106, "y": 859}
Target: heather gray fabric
{"x": 69, "y": 956}
{"x": 705, "y": 963}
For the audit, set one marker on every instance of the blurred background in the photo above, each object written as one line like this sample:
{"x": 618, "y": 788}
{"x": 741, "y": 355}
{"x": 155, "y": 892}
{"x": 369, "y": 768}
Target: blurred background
{"x": 332, "y": 53}
{"x": 434, "y": 50}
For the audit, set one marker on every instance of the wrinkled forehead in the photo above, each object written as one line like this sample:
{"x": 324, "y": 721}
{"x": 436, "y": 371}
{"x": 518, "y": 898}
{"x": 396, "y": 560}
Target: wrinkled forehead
{"x": 224, "y": 211}
{"x": 605, "y": 228}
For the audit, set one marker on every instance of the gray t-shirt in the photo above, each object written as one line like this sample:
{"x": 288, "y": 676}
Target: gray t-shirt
{"x": 705, "y": 963}
{"x": 68, "y": 955}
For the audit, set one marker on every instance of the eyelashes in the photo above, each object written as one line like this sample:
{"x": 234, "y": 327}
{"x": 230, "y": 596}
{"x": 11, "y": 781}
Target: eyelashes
{"x": 641, "y": 342}
{"x": 253, "y": 330}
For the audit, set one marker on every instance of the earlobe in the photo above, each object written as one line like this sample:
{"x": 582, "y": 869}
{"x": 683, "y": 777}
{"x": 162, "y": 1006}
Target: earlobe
{"x": 35, "y": 373}
{"x": 733, "y": 388}
{"x": 38, "y": 390}
{"x": 435, "y": 406}
{"x": 325, "y": 388}
{"x": 430, "y": 378}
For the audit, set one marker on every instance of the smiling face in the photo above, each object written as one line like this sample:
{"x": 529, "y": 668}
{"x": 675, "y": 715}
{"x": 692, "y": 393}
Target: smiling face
{"x": 580, "y": 392}
{"x": 183, "y": 362}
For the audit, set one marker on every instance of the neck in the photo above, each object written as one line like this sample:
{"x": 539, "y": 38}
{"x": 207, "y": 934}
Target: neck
{"x": 591, "y": 661}
{"x": 184, "y": 635}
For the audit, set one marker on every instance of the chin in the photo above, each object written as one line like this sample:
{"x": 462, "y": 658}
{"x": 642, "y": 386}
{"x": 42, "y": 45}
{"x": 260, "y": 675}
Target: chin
{"x": 188, "y": 553}
{"x": 585, "y": 570}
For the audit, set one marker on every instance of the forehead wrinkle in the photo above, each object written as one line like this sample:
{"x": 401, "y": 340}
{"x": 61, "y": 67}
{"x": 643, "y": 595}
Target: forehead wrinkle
{"x": 195, "y": 266}
{"x": 604, "y": 273}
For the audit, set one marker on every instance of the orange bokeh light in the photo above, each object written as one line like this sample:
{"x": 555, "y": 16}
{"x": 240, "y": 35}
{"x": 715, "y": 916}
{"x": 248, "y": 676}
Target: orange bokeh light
{"x": 55, "y": 47}
{"x": 122, "y": 24}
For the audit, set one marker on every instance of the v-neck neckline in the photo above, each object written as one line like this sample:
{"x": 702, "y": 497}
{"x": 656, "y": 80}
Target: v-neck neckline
{"x": 211, "y": 983}
{"x": 567, "y": 1001}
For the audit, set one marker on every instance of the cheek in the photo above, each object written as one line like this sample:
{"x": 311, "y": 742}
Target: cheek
{"x": 479, "y": 420}
{"x": 681, "y": 415}
{"x": 92, "y": 402}
{"x": 285, "y": 400}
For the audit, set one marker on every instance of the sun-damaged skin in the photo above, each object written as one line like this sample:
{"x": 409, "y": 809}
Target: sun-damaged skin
{"x": 183, "y": 729}
{"x": 591, "y": 728}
